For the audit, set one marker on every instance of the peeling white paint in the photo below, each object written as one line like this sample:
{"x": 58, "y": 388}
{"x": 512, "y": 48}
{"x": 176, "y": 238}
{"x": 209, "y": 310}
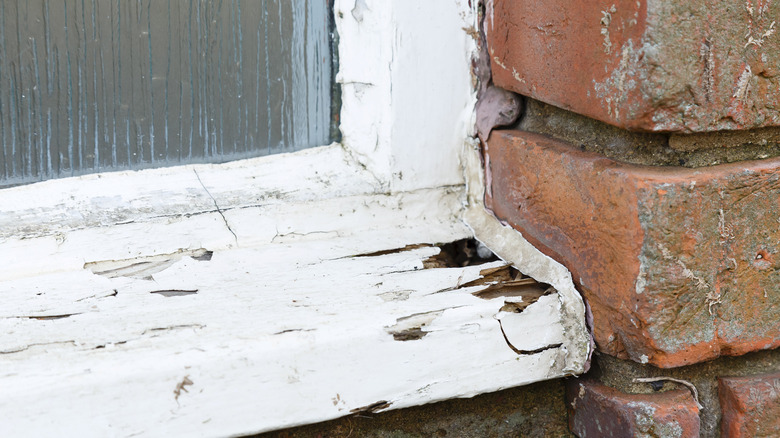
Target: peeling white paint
{"x": 510, "y": 245}
{"x": 268, "y": 331}
{"x": 285, "y": 323}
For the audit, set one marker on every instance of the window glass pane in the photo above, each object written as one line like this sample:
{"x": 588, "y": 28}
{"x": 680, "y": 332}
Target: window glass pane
{"x": 96, "y": 85}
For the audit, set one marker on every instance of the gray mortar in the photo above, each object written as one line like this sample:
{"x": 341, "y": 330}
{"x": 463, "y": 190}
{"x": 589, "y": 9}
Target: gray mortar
{"x": 619, "y": 374}
{"x": 652, "y": 149}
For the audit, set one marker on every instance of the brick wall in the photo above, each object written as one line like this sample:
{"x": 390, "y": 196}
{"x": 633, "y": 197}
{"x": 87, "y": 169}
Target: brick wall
{"x": 645, "y": 159}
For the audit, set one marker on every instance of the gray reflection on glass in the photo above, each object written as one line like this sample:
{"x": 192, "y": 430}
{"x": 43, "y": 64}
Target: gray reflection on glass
{"x": 96, "y": 85}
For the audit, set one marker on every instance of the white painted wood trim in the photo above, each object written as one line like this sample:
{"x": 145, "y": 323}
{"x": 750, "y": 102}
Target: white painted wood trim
{"x": 289, "y": 325}
{"x": 291, "y": 321}
{"x": 408, "y": 93}
{"x": 511, "y": 246}
{"x": 42, "y": 224}
{"x": 293, "y": 328}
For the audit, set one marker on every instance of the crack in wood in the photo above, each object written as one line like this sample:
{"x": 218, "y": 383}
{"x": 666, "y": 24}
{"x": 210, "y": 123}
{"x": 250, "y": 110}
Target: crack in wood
{"x": 109, "y": 344}
{"x": 525, "y": 352}
{"x": 373, "y": 408}
{"x": 112, "y": 294}
{"x": 287, "y": 237}
{"x": 392, "y": 251}
{"x": 37, "y": 344}
{"x": 174, "y": 292}
{"x": 173, "y": 327}
{"x": 459, "y": 254}
{"x": 293, "y": 331}
{"x": 219, "y": 210}
{"x": 46, "y": 317}
{"x": 506, "y": 281}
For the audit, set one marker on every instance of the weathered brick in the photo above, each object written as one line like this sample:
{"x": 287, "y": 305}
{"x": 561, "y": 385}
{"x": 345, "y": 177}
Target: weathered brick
{"x": 596, "y": 410}
{"x": 678, "y": 265}
{"x": 656, "y": 65}
{"x": 750, "y": 406}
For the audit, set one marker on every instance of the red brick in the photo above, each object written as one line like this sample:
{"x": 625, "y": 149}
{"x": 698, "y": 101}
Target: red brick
{"x": 655, "y": 65}
{"x": 750, "y": 406}
{"x": 678, "y": 265}
{"x": 596, "y": 410}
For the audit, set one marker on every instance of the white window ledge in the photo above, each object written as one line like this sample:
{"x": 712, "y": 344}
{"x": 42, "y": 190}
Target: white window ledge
{"x": 306, "y": 310}
{"x": 223, "y": 300}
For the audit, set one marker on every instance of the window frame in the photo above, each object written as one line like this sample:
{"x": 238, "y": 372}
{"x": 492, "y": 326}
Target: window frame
{"x": 407, "y": 120}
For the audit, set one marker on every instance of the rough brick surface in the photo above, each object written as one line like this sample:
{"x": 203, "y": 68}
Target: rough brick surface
{"x": 596, "y": 410}
{"x": 678, "y": 265}
{"x": 750, "y": 406}
{"x": 658, "y": 65}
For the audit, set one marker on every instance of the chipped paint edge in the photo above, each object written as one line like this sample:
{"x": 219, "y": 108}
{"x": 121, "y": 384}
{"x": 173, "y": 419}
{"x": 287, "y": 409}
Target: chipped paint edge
{"x": 395, "y": 176}
{"x": 510, "y": 245}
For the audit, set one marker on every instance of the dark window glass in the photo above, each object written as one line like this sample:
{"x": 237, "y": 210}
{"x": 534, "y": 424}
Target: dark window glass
{"x": 97, "y": 85}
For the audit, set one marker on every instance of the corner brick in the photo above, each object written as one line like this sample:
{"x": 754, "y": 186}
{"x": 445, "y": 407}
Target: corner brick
{"x": 678, "y": 265}
{"x": 596, "y": 410}
{"x": 655, "y": 65}
{"x": 750, "y": 406}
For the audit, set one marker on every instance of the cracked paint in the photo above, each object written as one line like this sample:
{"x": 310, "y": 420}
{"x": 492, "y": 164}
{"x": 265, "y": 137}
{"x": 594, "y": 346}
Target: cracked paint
{"x": 410, "y": 328}
{"x": 385, "y": 187}
{"x": 144, "y": 267}
{"x": 216, "y": 205}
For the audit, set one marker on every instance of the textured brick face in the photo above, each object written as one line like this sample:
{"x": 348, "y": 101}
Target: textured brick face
{"x": 678, "y": 265}
{"x": 656, "y": 65}
{"x": 750, "y": 406}
{"x": 598, "y": 411}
